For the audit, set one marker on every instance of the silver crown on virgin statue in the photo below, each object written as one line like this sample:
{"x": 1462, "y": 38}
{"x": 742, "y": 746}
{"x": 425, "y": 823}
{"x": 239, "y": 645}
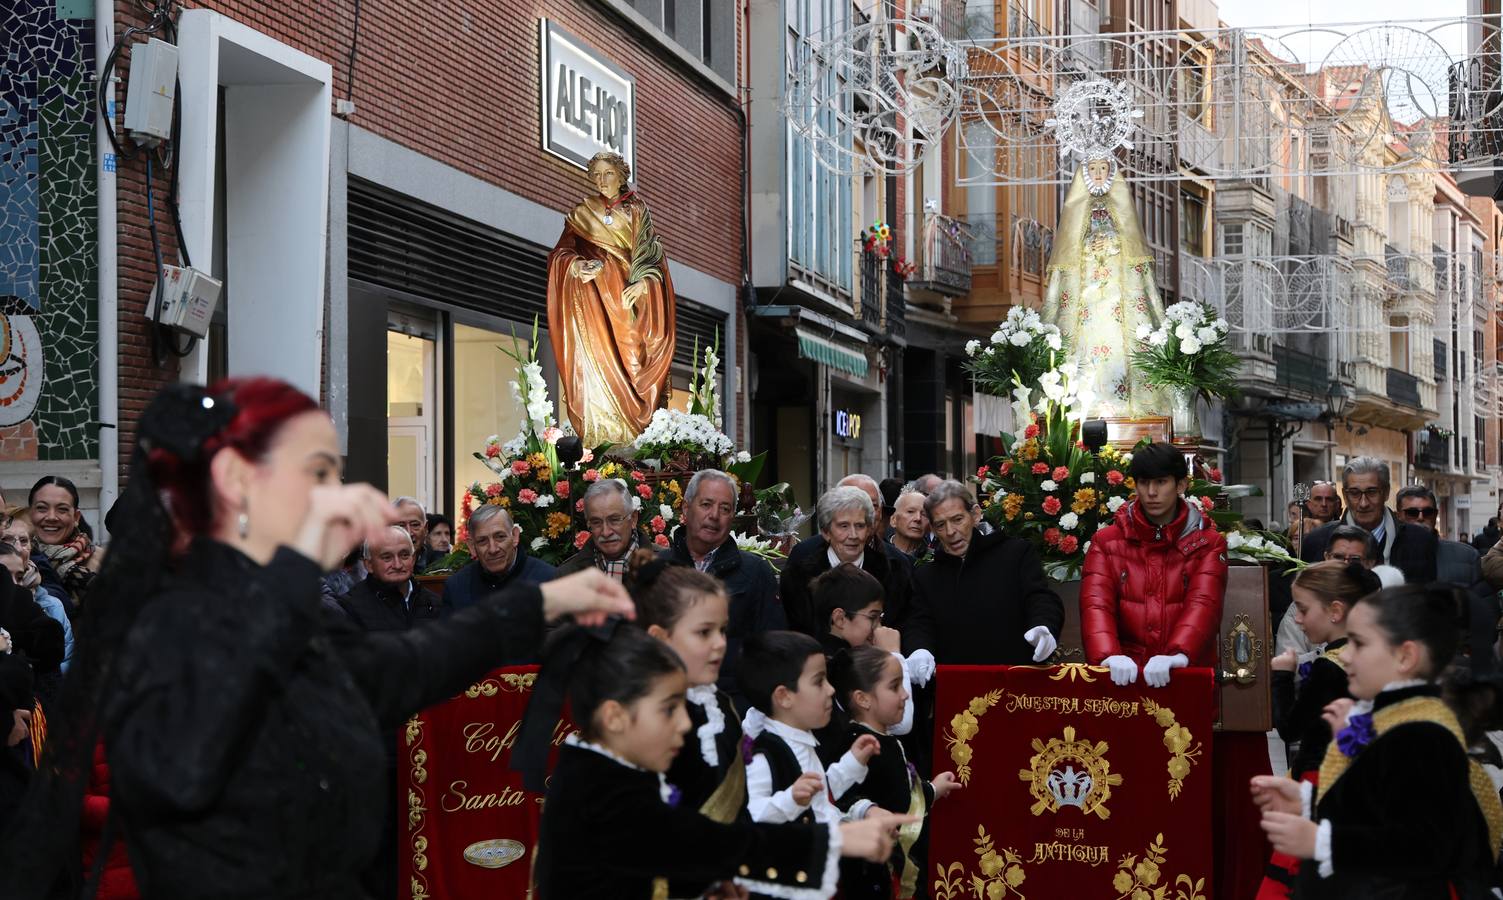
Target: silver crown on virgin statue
{"x": 1093, "y": 118}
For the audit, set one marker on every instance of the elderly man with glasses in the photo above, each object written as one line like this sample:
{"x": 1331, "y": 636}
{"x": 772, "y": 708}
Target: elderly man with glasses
{"x": 611, "y": 517}
{"x": 1365, "y": 486}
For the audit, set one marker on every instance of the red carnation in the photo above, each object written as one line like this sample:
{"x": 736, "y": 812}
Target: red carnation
{"x": 561, "y": 488}
{"x": 592, "y": 475}
{"x": 493, "y": 490}
{"x": 1006, "y": 466}
{"x": 1214, "y": 474}
{"x": 1061, "y": 473}
{"x": 1051, "y": 535}
{"x": 1041, "y": 468}
{"x": 1032, "y": 431}
{"x": 981, "y": 472}
{"x": 661, "y": 540}
{"x": 1207, "y": 504}
{"x": 579, "y": 505}
{"x": 1114, "y": 477}
{"x": 645, "y": 490}
{"x": 1069, "y": 544}
{"x": 658, "y": 525}
{"x": 581, "y": 539}
{"x": 493, "y": 451}
{"x": 1051, "y": 506}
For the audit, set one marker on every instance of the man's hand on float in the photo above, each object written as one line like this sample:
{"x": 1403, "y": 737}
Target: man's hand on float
{"x": 1043, "y": 642}
{"x": 1156, "y": 670}
{"x": 1124, "y": 670}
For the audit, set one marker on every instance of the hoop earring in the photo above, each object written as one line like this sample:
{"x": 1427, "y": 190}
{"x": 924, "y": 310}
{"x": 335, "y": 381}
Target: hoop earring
{"x": 243, "y": 524}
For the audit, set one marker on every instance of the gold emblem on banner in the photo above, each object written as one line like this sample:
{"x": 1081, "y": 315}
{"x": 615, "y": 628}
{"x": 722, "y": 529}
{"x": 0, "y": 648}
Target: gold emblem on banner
{"x": 965, "y": 725}
{"x": 1070, "y": 772}
{"x": 1183, "y": 752}
{"x": 1078, "y": 672}
{"x": 1001, "y": 873}
{"x": 510, "y": 682}
{"x": 1143, "y": 877}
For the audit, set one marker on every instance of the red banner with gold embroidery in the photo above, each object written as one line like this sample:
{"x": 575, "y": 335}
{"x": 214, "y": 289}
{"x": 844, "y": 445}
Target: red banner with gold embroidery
{"x": 466, "y": 827}
{"x": 1073, "y": 788}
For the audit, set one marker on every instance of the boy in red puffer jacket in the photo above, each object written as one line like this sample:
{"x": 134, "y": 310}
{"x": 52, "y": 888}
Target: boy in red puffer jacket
{"x": 1154, "y": 580}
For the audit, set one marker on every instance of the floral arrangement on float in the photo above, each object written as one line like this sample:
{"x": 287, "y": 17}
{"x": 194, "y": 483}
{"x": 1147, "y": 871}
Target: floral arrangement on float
{"x": 544, "y": 471}
{"x": 1187, "y": 356}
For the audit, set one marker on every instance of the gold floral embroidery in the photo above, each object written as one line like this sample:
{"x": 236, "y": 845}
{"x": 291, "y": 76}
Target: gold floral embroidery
{"x": 964, "y": 726}
{"x": 1001, "y": 874}
{"x": 1078, "y": 672}
{"x": 510, "y": 682}
{"x": 1183, "y": 754}
{"x": 1143, "y": 879}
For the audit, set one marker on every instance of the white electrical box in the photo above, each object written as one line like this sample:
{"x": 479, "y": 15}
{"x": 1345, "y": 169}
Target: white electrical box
{"x": 188, "y": 297}
{"x": 153, "y": 85}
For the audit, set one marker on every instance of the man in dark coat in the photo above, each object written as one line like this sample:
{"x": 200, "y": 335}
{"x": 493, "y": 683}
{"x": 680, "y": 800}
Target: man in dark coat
{"x": 1365, "y": 487}
{"x": 1458, "y": 564}
{"x": 612, "y": 522}
{"x": 499, "y": 560}
{"x": 414, "y": 520}
{"x": 845, "y": 520}
{"x": 984, "y": 600}
{"x": 704, "y": 541}
{"x": 390, "y": 599}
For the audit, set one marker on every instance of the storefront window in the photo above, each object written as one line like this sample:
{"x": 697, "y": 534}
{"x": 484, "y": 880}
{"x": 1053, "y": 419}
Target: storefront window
{"x": 483, "y": 403}
{"x": 409, "y": 416}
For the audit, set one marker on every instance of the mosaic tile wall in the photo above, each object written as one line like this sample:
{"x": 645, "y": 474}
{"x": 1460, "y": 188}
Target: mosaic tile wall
{"x": 48, "y": 247}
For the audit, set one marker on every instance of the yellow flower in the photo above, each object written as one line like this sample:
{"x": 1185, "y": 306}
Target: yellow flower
{"x": 961, "y": 754}
{"x": 1085, "y": 498}
{"x": 1177, "y": 739}
{"x": 537, "y": 460}
{"x": 991, "y": 864}
{"x": 1130, "y": 483}
{"x": 1141, "y": 894}
{"x": 1147, "y": 872}
{"x": 1014, "y": 876}
{"x": 1012, "y": 504}
{"x": 1029, "y": 450}
{"x": 544, "y": 473}
{"x": 1123, "y": 882}
{"x": 1179, "y": 767}
{"x": 1165, "y": 717}
{"x": 978, "y": 706}
{"x": 503, "y": 501}
{"x": 995, "y": 891}
{"x": 964, "y": 726}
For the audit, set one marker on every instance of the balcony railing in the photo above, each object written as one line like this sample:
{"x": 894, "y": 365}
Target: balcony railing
{"x": 1398, "y": 268}
{"x": 1438, "y": 348}
{"x": 895, "y": 305}
{"x": 1434, "y": 452}
{"x": 883, "y": 305}
{"x": 872, "y": 266}
{"x": 944, "y": 255}
{"x": 1301, "y": 371}
{"x": 1403, "y": 388}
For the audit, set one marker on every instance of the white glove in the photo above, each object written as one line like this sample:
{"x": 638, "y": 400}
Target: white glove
{"x": 920, "y": 667}
{"x": 1124, "y": 670}
{"x": 1043, "y": 642}
{"x": 1156, "y": 670}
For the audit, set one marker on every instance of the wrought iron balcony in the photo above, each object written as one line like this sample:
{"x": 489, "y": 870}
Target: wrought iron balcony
{"x": 944, "y": 256}
{"x": 1434, "y": 452}
{"x": 1301, "y": 371}
{"x": 872, "y": 266}
{"x": 1398, "y": 268}
{"x": 1403, "y": 388}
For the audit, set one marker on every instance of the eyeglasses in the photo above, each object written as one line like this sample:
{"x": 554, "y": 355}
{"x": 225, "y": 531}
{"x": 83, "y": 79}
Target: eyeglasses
{"x": 1371, "y": 493}
{"x": 1419, "y": 512}
{"x": 875, "y": 615}
{"x": 1355, "y": 558}
{"x": 610, "y": 522}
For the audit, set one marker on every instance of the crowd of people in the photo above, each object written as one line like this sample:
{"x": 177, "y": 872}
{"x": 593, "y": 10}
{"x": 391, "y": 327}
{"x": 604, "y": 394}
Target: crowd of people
{"x": 248, "y": 647}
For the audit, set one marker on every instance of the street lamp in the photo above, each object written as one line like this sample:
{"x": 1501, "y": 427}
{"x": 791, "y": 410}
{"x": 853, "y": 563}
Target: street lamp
{"x": 1338, "y": 401}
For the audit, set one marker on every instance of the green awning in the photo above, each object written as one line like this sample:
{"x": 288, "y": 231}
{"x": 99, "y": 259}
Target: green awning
{"x": 846, "y": 359}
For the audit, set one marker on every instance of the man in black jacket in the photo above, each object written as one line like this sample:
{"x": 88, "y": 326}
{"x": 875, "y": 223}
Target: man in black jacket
{"x": 1365, "y": 487}
{"x": 390, "y": 599}
{"x": 984, "y": 600}
{"x": 704, "y": 541}
{"x": 1459, "y": 564}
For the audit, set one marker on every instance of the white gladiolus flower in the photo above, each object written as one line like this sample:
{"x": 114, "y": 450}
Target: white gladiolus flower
{"x": 1068, "y": 521}
{"x": 1189, "y": 345}
{"x": 1021, "y": 394}
{"x": 1088, "y": 478}
{"x": 1234, "y": 539}
{"x": 1069, "y": 369}
{"x": 998, "y": 337}
{"x": 1048, "y": 485}
{"x": 1054, "y": 342}
{"x": 1054, "y": 392}
{"x": 538, "y": 543}
{"x": 1114, "y": 504}
{"x": 972, "y": 347}
{"x": 1143, "y": 332}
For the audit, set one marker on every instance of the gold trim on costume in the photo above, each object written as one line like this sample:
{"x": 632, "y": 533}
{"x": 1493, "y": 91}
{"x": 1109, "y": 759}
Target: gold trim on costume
{"x": 908, "y": 835}
{"x": 729, "y": 798}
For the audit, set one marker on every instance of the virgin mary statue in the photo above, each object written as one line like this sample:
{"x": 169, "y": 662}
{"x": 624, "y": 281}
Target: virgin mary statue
{"x": 1101, "y": 289}
{"x": 610, "y": 310}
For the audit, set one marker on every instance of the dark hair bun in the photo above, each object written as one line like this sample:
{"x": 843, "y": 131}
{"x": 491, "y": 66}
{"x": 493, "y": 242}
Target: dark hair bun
{"x": 643, "y": 567}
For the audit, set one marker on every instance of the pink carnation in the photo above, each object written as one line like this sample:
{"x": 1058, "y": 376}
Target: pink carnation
{"x": 493, "y": 490}
{"x": 636, "y": 476}
{"x": 1114, "y": 477}
{"x": 661, "y": 540}
{"x": 527, "y": 495}
{"x": 520, "y": 467}
{"x": 981, "y": 472}
{"x": 645, "y": 490}
{"x": 581, "y": 539}
{"x": 1069, "y": 544}
{"x": 1040, "y": 468}
{"x": 492, "y": 451}
{"x": 1051, "y": 506}
{"x": 561, "y": 488}
{"x": 658, "y": 525}
{"x": 1207, "y": 504}
{"x": 1032, "y": 431}
{"x": 592, "y": 475}
{"x": 1051, "y": 536}
{"x": 589, "y": 456}
{"x": 579, "y": 505}
{"x": 1061, "y": 473}
{"x": 1214, "y": 475}
{"x": 552, "y": 433}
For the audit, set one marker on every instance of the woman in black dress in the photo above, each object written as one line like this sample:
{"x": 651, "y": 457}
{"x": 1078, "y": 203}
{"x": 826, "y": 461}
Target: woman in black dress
{"x": 244, "y": 728}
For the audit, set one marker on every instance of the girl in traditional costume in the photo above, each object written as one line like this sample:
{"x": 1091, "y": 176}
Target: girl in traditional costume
{"x": 613, "y": 825}
{"x": 1400, "y": 811}
{"x": 873, "y": 688}
{"x": 1323, "y": 595}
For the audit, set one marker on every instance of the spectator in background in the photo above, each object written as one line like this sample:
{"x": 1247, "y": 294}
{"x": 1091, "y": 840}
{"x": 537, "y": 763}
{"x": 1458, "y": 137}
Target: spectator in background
{"x": 1460, "y": 565}
{"x": 1365, "y": 484}
{"x": 414, "y": 519}
{"x": 704, "y": 541}
{"x": 390, "y": 599}
{"x": 1349, "y": 544}
{"x": 1324, "y": 504}
{"x": 499, "y": 560}
{"x": 440, "y": 534}
{"x": 61, "y": 534}
{"x": 1487, "y": 537}
{"x": 925, "y": 484}
{"x": 1295, "y": 511}
{"x": 890, "y": 489}
{"x": 22, "y": 571}
{"x": 612, "y": 520}
{"x": 910, "y": 527}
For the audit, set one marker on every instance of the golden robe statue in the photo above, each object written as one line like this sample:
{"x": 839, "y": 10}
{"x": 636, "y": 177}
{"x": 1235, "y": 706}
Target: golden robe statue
{"x": 610, "y": 310}
{"x": 1101, "y": 289}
